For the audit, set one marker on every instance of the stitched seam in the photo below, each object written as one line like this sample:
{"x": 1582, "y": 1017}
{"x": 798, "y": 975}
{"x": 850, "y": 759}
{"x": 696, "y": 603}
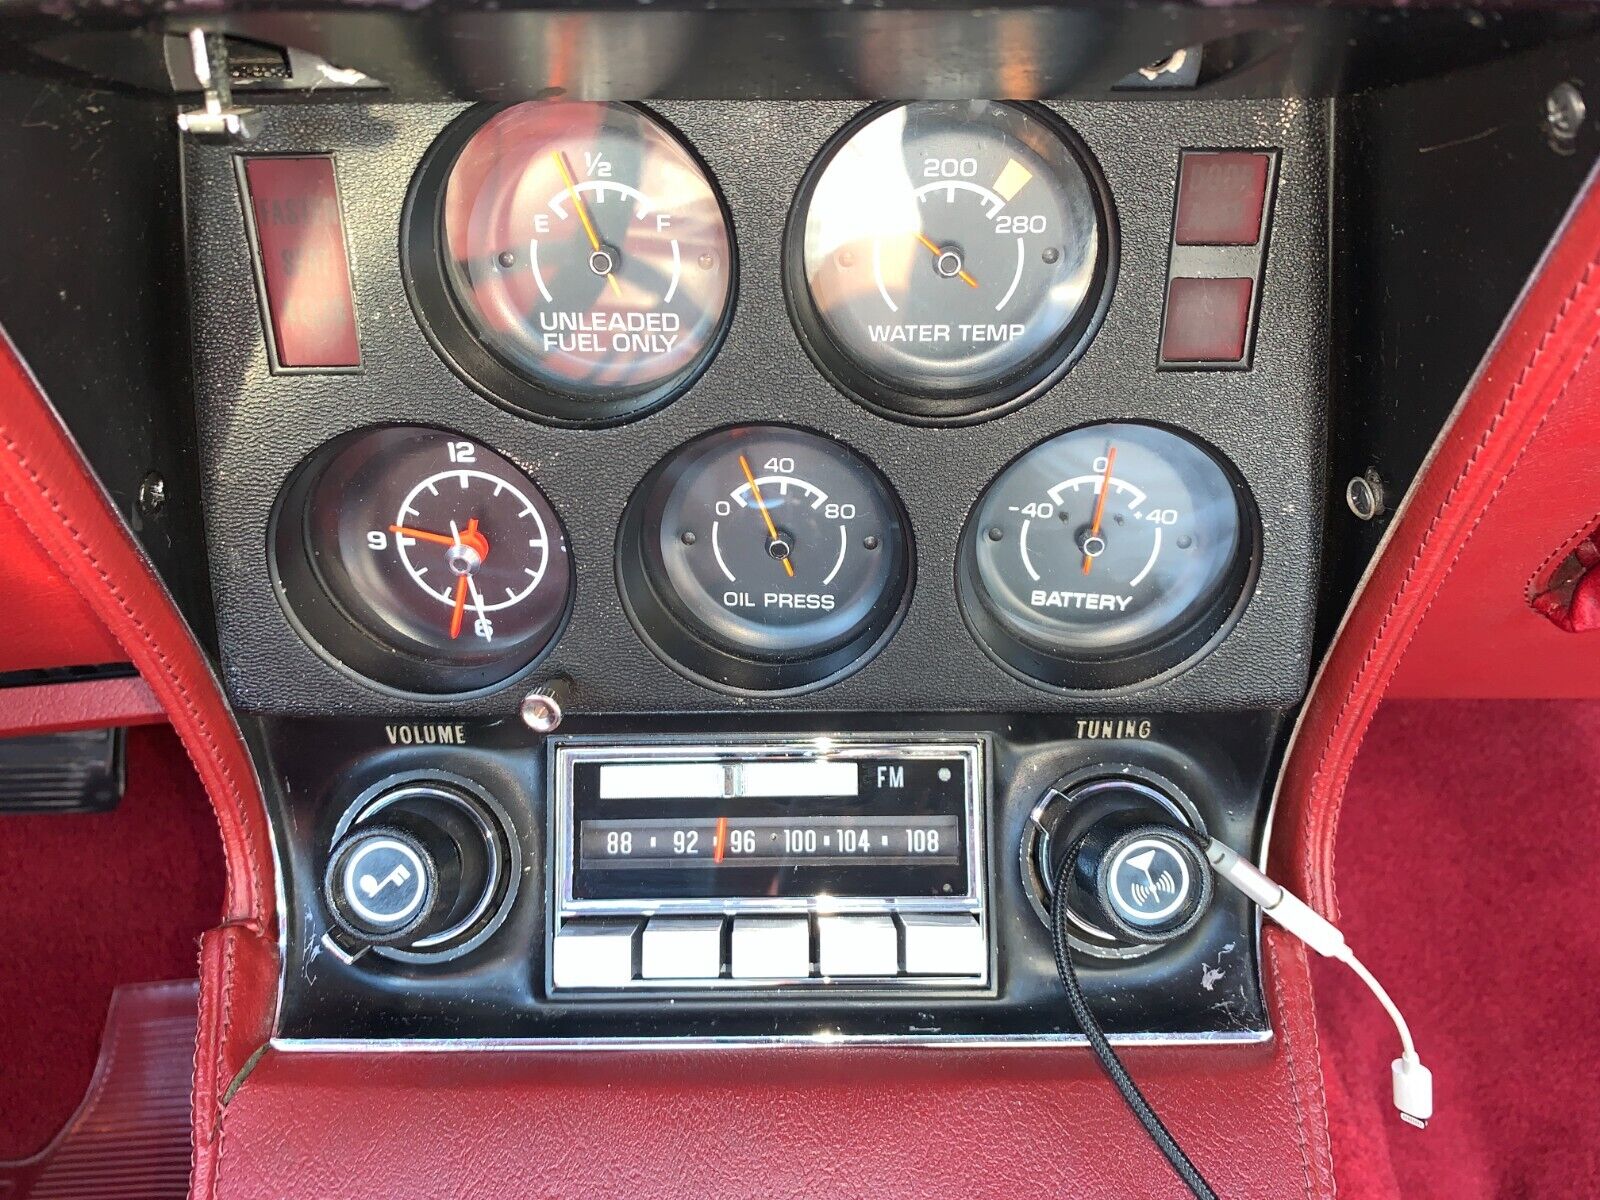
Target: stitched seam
{"x": 219, "y": 1110}
{"x": 1294, "y": 1093}
{"x": 1357, "y": 696}
{"x": 1581, "y": 535}
{"x": 202, "y": 725}
{"x": 1316, "y": 1066}
{"x": 1348, "y": 764}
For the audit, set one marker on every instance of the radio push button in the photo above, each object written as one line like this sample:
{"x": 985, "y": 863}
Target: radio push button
{"x": 943, "y": 944}
{"x": 858, "y": 945}
{"x": 594, "y": 954}
{"x": 771, "y": 947}
{"x": 682, "y": 948}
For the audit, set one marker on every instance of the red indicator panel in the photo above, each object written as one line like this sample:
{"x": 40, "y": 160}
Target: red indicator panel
{"x": 303, "y": 267}
{"x": 1221, "y": 197}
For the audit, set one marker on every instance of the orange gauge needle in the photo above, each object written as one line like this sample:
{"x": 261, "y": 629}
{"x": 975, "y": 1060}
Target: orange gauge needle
{"x": 583, "y": 214}
{"x": 1100, "y": 507}
{"x": 938, "y": 253}
{"x": 719, "y": 840}
{"x": 470, "y": 537}
{"x": 422, "y": 535}
{"x": 461, "y": 606}
{"x": 772, "y": 530}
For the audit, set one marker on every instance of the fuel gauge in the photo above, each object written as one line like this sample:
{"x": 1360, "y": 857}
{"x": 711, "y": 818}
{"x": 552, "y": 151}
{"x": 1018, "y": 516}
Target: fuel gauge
{"x": 572, "y": 259}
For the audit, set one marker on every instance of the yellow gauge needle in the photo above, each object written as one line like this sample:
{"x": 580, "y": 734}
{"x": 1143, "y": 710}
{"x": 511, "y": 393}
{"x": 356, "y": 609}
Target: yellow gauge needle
{"x": 938, "y": 253}
{"x": 583, "y": 214}
{"x": 772, "y": 530}
{"x": 1100, "y": 507}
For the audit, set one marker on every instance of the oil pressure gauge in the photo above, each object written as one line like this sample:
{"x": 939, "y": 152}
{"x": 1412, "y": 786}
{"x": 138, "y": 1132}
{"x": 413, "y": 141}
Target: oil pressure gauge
{"x": 948, "y": 258}
{"x": 764, "y": 557}
{"x": 1107, "y": 555}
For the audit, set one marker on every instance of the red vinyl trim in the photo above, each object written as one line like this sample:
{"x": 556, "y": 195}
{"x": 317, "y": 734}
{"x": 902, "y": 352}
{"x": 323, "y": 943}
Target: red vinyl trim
{"x": 81, "y": 704}
{"x": 45, "y": 479}
{"x": 1027, "y": 1124}
{"x": 1488, "y": 506}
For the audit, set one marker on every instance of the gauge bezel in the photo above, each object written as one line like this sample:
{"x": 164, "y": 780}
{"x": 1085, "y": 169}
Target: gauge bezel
{"x": 884, "y": 396}
{"x": 335, "y": 634}
{"x": 676, "y": 641}
{"x": 1064, "y": 673}
{"x": 450, "y": 329}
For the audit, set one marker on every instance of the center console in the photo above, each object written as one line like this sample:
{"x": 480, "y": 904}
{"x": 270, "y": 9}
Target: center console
{"x": 666, "y": 606}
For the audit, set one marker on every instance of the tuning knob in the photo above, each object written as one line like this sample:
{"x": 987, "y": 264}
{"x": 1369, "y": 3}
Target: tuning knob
{"x": 1137, "y": 878}
{"x": 418, "y": 871}
{"x": 1146, "y": 882}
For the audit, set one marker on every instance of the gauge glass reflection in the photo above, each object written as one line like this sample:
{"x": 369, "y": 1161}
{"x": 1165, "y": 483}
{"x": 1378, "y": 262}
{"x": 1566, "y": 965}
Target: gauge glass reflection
{"x": 769, "y": 552}
{"x": 587, "y": 248}
{"x": 1107, "y": 554}
{"x": 953, "y": 249}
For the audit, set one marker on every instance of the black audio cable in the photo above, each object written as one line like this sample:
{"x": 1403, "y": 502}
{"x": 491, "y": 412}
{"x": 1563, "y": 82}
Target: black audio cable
{"x": 1112, "y": 1065}
{"x": 1411, "y": 1081}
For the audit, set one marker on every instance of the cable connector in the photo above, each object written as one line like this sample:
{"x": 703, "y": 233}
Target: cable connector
{"x": 1413, "y": 1082}
{"x": 1282, "y": 905}
{"x": 1413, "y": 1090}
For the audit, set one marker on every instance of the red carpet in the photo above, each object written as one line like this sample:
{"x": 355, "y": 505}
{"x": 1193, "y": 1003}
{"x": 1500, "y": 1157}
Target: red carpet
{"x": 88, "y": 902}
{"x": 1467, "y": 877}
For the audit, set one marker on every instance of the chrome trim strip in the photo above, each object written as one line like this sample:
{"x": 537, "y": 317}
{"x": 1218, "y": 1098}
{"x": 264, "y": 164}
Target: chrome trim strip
{"x": 917, "y": 1041}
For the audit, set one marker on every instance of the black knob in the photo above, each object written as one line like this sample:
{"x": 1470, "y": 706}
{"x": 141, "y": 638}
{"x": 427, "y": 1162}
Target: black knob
{"x": 382, "y": 885}
{"x": 1146, "y": 882}
{"x": 1087, "y": 816}
{"x": 416, "y": 871}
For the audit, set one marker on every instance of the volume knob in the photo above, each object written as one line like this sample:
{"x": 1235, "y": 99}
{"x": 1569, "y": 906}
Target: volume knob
{"x": 382, "y": 885}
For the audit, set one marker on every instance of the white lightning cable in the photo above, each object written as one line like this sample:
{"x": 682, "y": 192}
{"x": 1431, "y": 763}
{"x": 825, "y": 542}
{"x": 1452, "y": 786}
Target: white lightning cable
{"x": 1412, "y": 1082}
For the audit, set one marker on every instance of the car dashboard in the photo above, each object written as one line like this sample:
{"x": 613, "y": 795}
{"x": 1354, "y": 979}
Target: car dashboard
{"x": 759, "y": 529}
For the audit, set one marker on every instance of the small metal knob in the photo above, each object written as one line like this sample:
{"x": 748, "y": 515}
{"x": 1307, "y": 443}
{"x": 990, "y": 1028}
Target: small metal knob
{"x": 544, "y": 708}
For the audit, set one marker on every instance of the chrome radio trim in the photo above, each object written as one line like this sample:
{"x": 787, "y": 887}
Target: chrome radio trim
{"x": 567, "y": 752}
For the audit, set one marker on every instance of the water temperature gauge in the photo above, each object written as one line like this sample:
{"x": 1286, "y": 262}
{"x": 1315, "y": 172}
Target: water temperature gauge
{"x": 421, "y": 559}
{"x": 764, "y": 557}
{"x": 1107, "y": 555}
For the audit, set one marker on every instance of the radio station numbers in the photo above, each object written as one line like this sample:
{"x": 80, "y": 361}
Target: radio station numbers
{"x": 768, "y": 841}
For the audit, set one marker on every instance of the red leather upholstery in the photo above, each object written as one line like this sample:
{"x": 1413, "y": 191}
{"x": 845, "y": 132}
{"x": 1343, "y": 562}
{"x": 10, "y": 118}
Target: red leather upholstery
{"x": 48, "y": 623}
{"x": 784, "y": 1122}
{"x": 1511, "y": 488}
{"x": 45, "y": 480}
{"x": 84, "y": 704}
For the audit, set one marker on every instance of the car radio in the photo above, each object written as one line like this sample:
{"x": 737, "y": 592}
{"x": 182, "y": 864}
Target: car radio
{"x": 821, "y": 862}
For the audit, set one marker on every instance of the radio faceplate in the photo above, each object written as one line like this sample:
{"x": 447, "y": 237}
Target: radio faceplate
{"x": 832, "y": 862}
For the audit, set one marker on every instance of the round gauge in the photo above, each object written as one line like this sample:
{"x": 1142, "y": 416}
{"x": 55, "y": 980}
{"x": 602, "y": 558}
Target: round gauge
{"x": 764, "y": 557}
{"x": 1107, "y": 555}
{"x": 946, "y": 258}
{"x": 421, "y": 559}
{"x": 571, "y": 259}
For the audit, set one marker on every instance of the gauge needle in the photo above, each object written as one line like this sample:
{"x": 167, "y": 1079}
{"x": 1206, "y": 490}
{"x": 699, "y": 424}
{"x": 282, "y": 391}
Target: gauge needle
{"x": 472, "y": 538}
{"x": 772, "y": 530}
{"x": 422, "y": 535}
{"x": 461, "y": 607}
{"x": 938, "y": 253}
{"x": 1100, "y": 507}
{"x": 719, "y": 840}
{"x": 583, "y": 214}
{"x": 483, "y": 615}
